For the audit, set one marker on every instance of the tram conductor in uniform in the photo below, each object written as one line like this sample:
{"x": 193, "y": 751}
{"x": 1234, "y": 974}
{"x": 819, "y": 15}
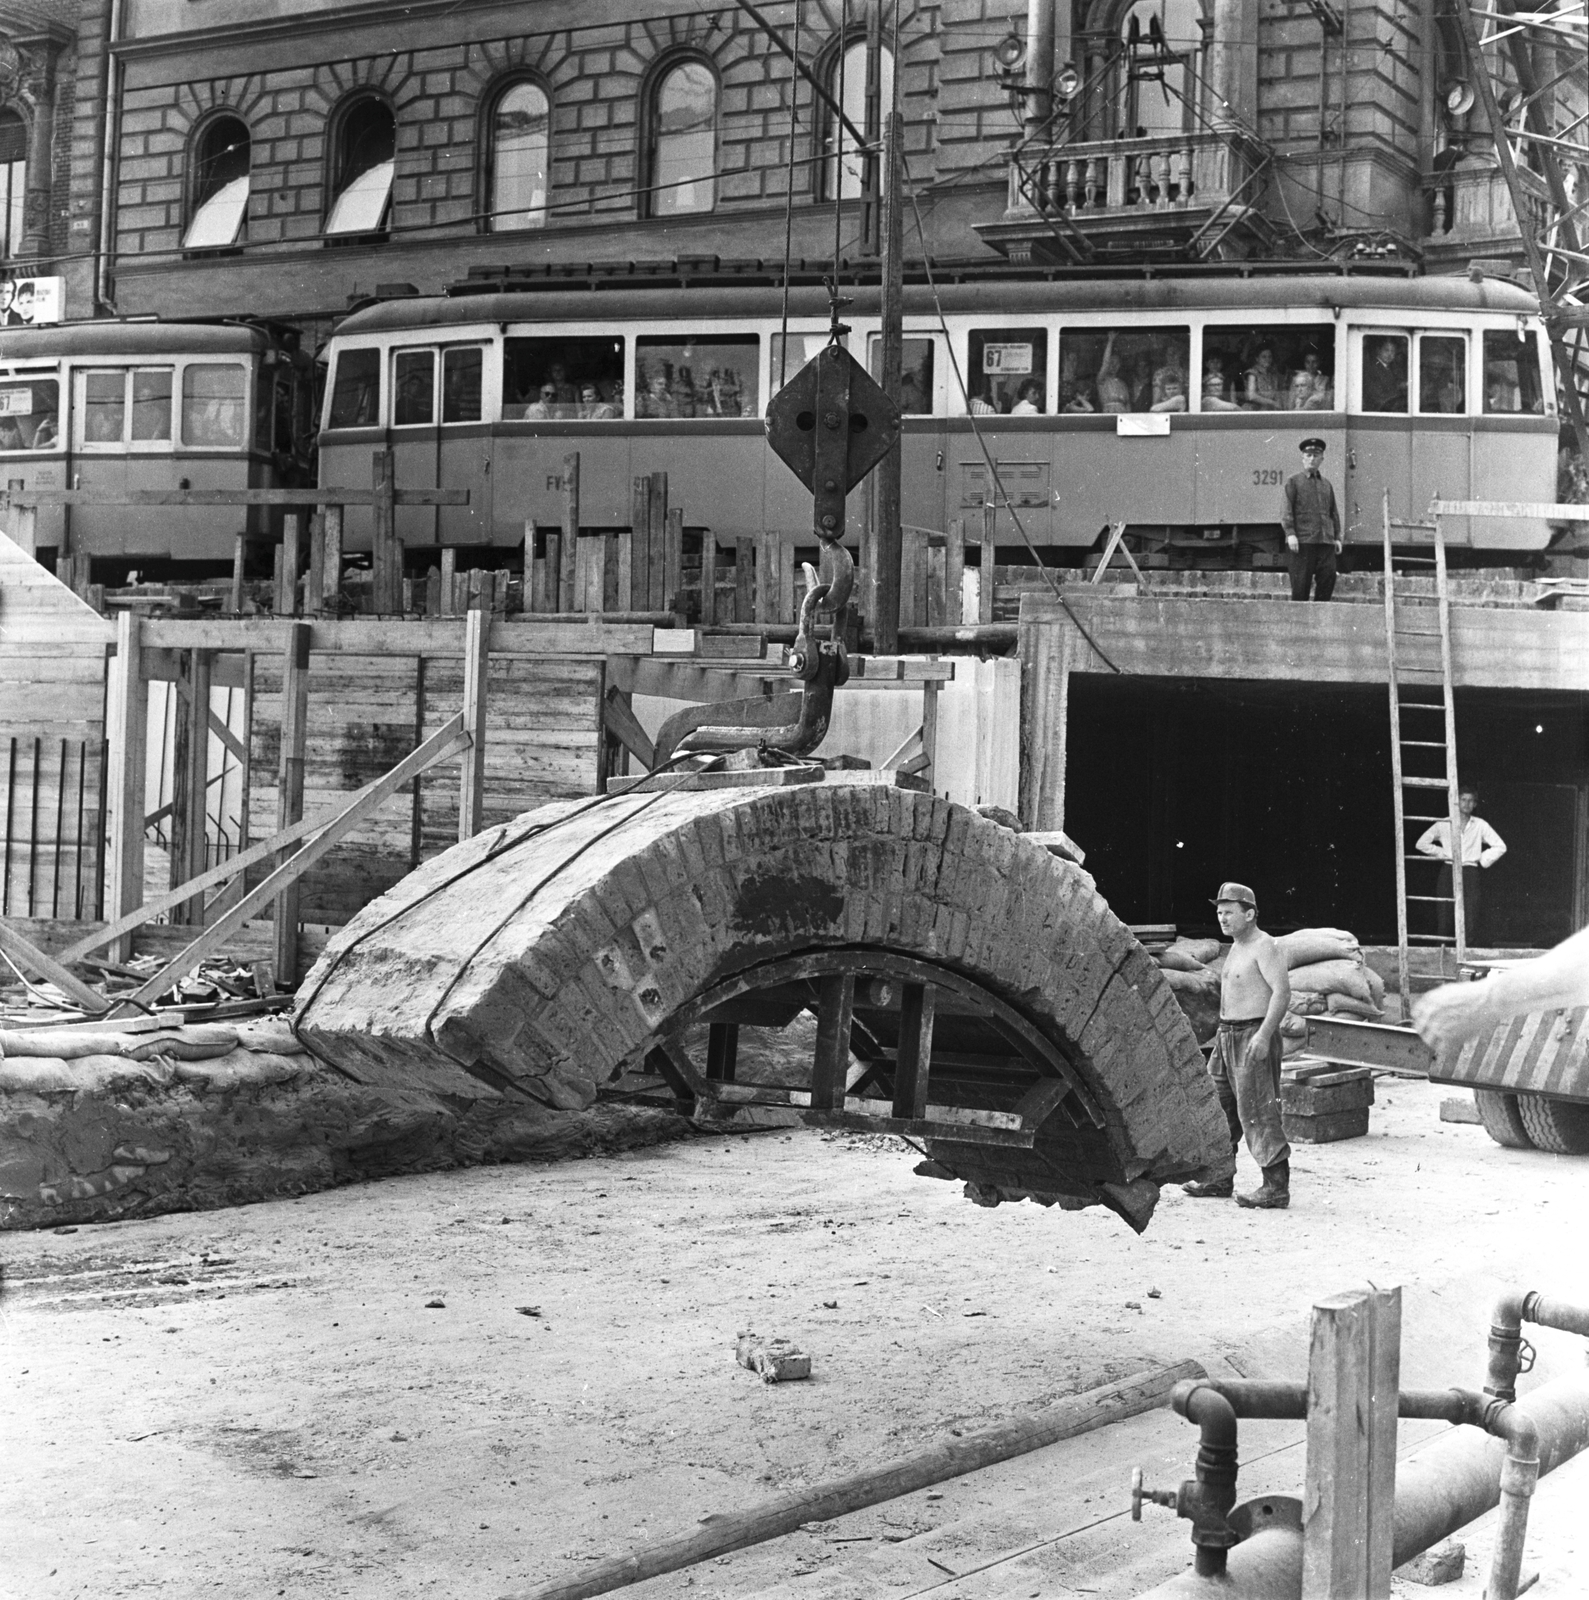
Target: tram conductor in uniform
{"x": 1312, "y": 524}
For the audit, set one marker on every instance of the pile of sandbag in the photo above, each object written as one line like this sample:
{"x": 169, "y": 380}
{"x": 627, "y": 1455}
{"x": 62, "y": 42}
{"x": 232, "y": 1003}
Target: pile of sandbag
{"x": 1328, "y": 974}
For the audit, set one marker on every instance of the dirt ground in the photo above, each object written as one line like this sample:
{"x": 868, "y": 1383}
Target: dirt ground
{"x": 266, "y": 1401}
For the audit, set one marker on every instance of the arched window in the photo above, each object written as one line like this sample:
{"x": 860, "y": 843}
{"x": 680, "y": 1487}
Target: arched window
{"x": 220, "y": 185}
{"x": 684, "y": 140}
{"x": 845, "y": 168}
{"x": 13, "y": 181}
{"x": 1163, "y": 40}
{"x": 520, "y": 149}
{"x": 364, "y": 152}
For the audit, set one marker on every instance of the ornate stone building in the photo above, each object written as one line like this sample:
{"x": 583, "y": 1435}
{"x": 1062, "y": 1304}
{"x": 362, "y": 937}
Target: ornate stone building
{"x": 37, "y": 77}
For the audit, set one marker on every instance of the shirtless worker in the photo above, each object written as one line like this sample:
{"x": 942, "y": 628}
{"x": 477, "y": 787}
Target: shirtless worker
{"x": 1254, "y": 989}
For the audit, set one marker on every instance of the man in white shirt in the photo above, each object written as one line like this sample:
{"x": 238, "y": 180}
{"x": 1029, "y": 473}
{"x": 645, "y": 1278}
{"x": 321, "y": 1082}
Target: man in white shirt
{"x": 1482, "y": 847}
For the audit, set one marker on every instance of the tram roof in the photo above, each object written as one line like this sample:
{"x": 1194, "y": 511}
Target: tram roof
{"x": 131, "y": 339}
{"x": 591, "y": 305}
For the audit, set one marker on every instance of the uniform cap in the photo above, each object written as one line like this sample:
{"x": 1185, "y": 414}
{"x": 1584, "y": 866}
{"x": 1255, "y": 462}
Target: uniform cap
{"x": 1238, "y": 892}
{"x": 1312, "y": 444}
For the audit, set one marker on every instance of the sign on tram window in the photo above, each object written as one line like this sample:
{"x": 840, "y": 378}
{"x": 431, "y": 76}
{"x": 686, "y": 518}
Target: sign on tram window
{"x": 697, "y": 377}
{"x": 1442, "y": 373}
{"x": 413, "y": 388}
{"x": 461, "y": 371}
{"x": 915, "y": 373}
{"x": 1009, "y": 372}
{"x": 214, "y": 403}
{"x": 28, "y": 414}
{"x": 1123, "y": 369}
{"x": 355, "y": 389}
{"x": 562, "y": 380}
{"x": 1511, "y": 374}
{"x": 1276, "y": 367}
{"x": 1385, "y": 373}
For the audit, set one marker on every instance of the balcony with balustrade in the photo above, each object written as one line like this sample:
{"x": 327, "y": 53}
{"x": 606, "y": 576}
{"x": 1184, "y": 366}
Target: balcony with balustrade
{"x": 1189, "y": 196}
{"x": 1471, "y": 213}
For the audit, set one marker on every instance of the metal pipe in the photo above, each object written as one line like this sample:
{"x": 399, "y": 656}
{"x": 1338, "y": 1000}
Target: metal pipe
{"x": 1209, "y": 1498}
{"x": 1442, "y": 1488}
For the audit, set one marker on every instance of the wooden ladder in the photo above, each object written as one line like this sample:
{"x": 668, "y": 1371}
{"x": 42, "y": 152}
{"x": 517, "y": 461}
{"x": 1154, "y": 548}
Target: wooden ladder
{"x": 1418, "y": 747}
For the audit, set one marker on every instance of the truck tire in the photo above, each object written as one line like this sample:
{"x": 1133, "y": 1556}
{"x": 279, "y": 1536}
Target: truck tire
{"x": 1559, "y": 1126}
{"x": 1502, "y": 1119}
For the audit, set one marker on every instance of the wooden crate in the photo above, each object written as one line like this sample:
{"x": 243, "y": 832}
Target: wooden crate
{"x": 1321, "y": 1105}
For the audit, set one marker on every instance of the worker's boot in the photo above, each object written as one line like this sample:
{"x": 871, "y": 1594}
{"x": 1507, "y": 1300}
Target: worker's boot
{"x": 1275, "y": 1192}
{"x": 1219, "y": 1189}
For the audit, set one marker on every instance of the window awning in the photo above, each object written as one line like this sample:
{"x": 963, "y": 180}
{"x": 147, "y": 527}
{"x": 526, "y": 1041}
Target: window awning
{"x": 361, "y": 206}
{"x": 219, "y": 220}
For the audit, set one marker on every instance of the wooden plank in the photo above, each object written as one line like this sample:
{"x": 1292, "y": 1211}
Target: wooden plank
{"x": 929, "y": 731}
{"x": 567, "y": 568}
{"x": 1046, "y": 655}
{"x": 623, "y": 573}
{"x": 239, "y": 555}
{"x": 387, "y": 586}
{"x": 197, "y": 715}
{"x": 476, "y": 663}
{"x": 640, "y": 544}
{"x": 314, "y": 587}
{"x": 623, "y": 725}
{"x": 446, "y": 742}
{"x": 291, "y": 553}
{"x": 987, "y": 573}
{"x": 954, "y": 567}
{"x": 510, "y": 636}
{"x": 1348, "y": 1501}
{"x": 937, "y": 585}
{"x": 127, "y": 718}
{"x": 673, "y": 561}
{"x": 708, "y": 607}
{"x": 289, "y": 789}
{"x": 657, "y": 543}
{"x": 34, "y": 960}
{"x": 830, "y": 1068}
{"x": 331, "y": 592}
{"x": 916, "y": 1002}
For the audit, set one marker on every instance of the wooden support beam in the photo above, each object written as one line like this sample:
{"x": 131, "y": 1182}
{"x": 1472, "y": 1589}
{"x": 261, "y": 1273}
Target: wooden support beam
{"x": 1348, "y": 1502}
{"x": 331, "y": 583}
{"x": 567, "y": 598}
{"x": 194, "y": 856}
{"x": 954, "y": 569}
{"x": 239, "y": 556}
{"x": 986, "y": 579}
{"x": 623, "y": 725}
{"x": 291, "y": 556}
{"x": 33, "y": 960}
{"x": 314, "y": 589}
{"x": 929, "y": 730}
{"x": 289, "y": 790}
{"x": 722, "y": 1051}
{"x": 835, "y": 1013}
{"x": 449, "y": 582}
{"x": 916, "y": 1003}
{"x": 673, "y": 561}
{"x": 126, "y": 731}
{"x": 657, "y": 543}
{"x": 640, "y": 545}
{"x": 447, "y": 741}
{"x": 387, "y": 551}
{"x": 472, "y": 769}
{"x": 745, "y": 579}
{"x": 708, "y": 610}
{"x": 937, "y": 581}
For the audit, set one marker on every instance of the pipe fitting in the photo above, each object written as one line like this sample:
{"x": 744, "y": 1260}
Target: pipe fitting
{"x": 1207, "y": 1500}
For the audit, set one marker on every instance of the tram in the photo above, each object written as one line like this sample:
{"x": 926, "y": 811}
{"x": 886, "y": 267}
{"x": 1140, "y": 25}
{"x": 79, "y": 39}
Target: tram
{"x": 1174, "y": 404}
{"x": 138, "y": 405}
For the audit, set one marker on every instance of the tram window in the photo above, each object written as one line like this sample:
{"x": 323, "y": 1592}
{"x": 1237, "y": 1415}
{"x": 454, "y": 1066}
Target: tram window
{"x": 1442, "y": 373}
{"x": 1282, "y": 367}
{"x": 413, "y": 388}
{"x": 1009, "y": 372}
{"x": 689, "y": 377}
{"x": 915, "y": 374}
{"x": 460, "y": 383}
{"x": 1123, "y": 369}
{"x": 355, "y": 390}
{"x": 214, "y": 400}
{"x": 1385, "y": 372}
{"x": 102, "y": 405}
{"x": 562, "y": 379}
{"x": 151, "y": 404}
{"x": 1511, "y": 374}
{"x": 28, "y": 412}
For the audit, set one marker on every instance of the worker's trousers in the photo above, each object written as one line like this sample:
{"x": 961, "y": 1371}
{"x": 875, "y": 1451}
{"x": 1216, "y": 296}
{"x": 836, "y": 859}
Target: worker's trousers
{"x": 1249, "y": 1095}
{"x": 1315, "y": 564}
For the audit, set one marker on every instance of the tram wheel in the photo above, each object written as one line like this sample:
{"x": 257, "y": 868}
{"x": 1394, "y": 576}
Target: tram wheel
{"x": 1502, "y": 1119}
{"x": 1557, "y": 1126}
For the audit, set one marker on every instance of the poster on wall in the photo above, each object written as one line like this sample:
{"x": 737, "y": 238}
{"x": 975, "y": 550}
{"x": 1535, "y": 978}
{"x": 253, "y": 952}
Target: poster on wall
{"x": 30, "y": 302}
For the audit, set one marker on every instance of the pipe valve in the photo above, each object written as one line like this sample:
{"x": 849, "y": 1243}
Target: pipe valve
{"x": 1158, "y": 1497}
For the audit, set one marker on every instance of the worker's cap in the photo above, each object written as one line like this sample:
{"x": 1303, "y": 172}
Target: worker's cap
{"x": 1237, "y": 892}
{"x": 1312, "y": 444}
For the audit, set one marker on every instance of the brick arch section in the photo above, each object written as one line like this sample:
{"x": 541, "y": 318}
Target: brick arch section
{"x": 548, "y": 954}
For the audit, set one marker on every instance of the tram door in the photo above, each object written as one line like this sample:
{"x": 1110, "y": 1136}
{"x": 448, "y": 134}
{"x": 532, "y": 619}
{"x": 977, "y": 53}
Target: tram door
{"x": 439, "y": 441}
{"x": 1378, "y": 436}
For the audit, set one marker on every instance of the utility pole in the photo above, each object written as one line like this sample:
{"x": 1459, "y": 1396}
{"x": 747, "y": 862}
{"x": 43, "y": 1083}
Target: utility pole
{"x": 889, "y": 542}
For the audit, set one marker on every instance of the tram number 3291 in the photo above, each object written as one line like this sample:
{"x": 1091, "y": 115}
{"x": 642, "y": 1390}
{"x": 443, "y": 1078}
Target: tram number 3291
{"x": 1263, "y": 475}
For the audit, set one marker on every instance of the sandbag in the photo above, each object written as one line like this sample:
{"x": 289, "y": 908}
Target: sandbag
{"x": 1343, "y": 1005}
{"x": 1200, "y": 950}
{"x": 182, "y": 1043}
{"x": 1332, "y": 977}
{"x": 1305, "y": 1003}
{"x": 1306, "y": 946}
{"x": 1177, "y": 960}
{"x": 1376, "y": 987}
{"x": 1200, "y": 982}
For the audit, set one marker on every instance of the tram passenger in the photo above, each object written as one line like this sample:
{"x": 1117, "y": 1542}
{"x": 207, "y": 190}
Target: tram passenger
{"x": 1072, "y": 394}
{"x": 723, "y": 393}
{"x": 1263, "y": 383}
{"x": 656, "y": 401}
{"x": 1114, "y": 393}
{"x": 545, "y": 407}
{"x": 592, "y": 408}
{"x": 1029, "y": 401}
{"x": 566, "y": 394}
{"x": 45, "y": 435}
{"x": 1169, "y": 383}
{"x": 685, "y": 402}
{"x": 981, "y": 406}
{"x": 11, "y": 435}
{"x": 1385, "y": 378}
{"x": 1214, "y": 398}
{"x": 1310, "y": 389}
